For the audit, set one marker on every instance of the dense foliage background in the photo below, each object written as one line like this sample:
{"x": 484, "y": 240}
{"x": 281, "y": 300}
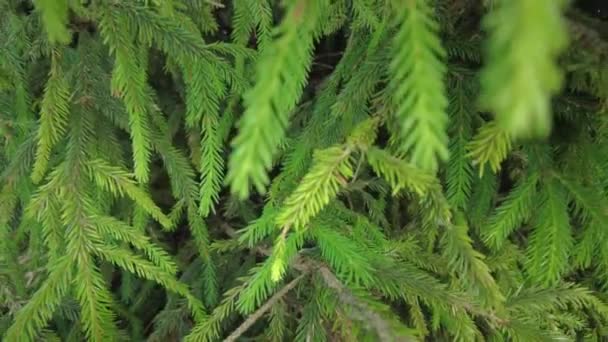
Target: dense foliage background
{"x": 308, "y": 170}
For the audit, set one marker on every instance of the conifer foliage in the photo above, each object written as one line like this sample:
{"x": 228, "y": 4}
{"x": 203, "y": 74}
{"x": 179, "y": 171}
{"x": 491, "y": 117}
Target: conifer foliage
{"x": 303, "y": 170}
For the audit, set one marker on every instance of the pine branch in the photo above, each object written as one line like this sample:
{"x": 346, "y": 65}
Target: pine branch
{"x": 542, "y": 300}
{"x": 95, "y": 301}
{"x": 360, "y": 310}
{"x": 331, "y": 170}
{"x": 352, "y": 101}
{"x": 482, "y": 199}
{"x": 129, "y": 82}
{"x": 551, "y": 241}
{"x": 320, "y": 132}
{"x": 113, "y": 122}
{"x": 469, "y": 263}
{"x": 252, "y": 17}
{"x": 200, "y": 233}
{"x": 204, "y": 93}
{"x": 522, "y": 72}
{"x": 459, "y": 173}
{"x": 128, "y": 234}
{"x": 9, "y": 251}
{"x": 512, "y": 212}
{"x": 310, "y": 326}
{"x": 119, "y": 182}
{"x": 366, "y": 14}
{"x": 35, "y": 315}
{"x": 22, "y": 161}
{"x": 210, "y": 329}
{"x": 490, "y": 146}
{"x": 143, "y": 268}
{"x": 417, "y": 84}
{"x": 273, "y": 269}
{"x": 212, "y": 165}
{"x": 179, "y": 169}
{"x": 519, "y": 330}
{"x": 278, "y": 325}
{"x": 398, "y": 173}
{"x": 345, "y": 257}
{"x": 280, "y": 78}
{"x": 262, "y": 310}
{"x": 260, "y": 228}
{"x": 171, "y": 31}
{"x": 54, "y": 113}
{"x": 590, "y": 206}
{"x": 55, "y": 18}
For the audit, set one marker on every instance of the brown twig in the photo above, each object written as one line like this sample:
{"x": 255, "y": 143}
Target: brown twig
{"x": 260, "y": 312}
{"x": 361, "y": 311}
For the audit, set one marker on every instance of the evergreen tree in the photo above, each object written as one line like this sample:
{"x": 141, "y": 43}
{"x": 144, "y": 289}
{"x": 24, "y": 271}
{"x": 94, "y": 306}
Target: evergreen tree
{"x": 303, "y": 170}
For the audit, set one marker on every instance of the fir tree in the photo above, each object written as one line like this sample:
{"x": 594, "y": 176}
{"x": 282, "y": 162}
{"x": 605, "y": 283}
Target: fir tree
{"x": 303, "y": 170}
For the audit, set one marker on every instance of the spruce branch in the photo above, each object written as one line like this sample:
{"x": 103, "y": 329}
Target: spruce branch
{"x": 469, "y": 263}
{"x": 459, "y": 173}
{"x": 522, "y": 72}
{"x": 331, "y": 170}
{"x": 398, "y": 173}
{"x": 280, "y": 79}
{"x": 254, "y": 317}
{"x": 119, "y": 182}
{"x": 418, "y": 70}
{"x": 34, "y": 316}
{"x": 360, "y": 310}
{"x": 551, "y": 241}
{"x": 54, "y": 113}
{"x": 122, "y": 121}
{"x": 490, "y": 146}
{"x": 55, "y": 17}
{"x": 514, "y": 211}
{"x": 129, "y": 83}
